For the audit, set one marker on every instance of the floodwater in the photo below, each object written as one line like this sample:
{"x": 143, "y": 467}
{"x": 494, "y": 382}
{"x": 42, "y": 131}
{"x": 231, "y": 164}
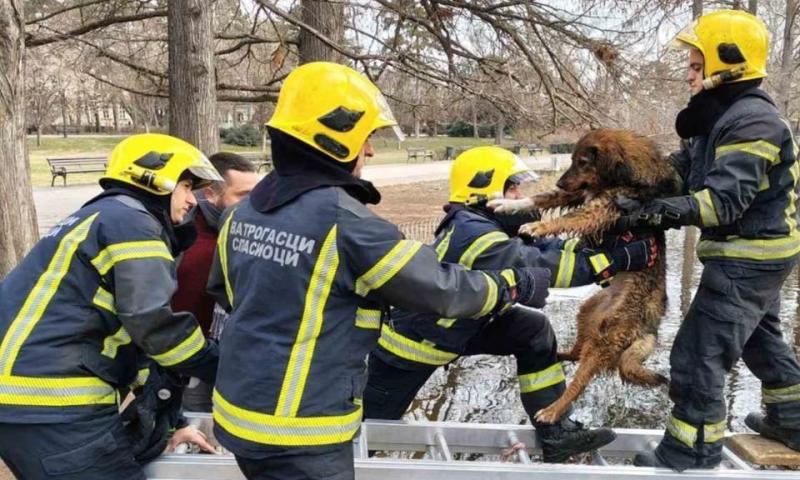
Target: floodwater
{"x": 483, "y": 389}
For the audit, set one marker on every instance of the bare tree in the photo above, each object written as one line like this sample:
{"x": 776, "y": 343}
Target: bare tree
{"x": 192, "y": 83}
{"x": 18, "y": 230}
{"x": 787, "y": 57}
{"x": 42, "y": 95}
{"x": 697, "y": 8}
{"x": 326, "y": 18}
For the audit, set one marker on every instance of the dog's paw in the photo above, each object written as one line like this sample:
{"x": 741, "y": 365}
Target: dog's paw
{"x": 509, "y": 206}
{"x": 533, "y": 229}
{"x": 547, "y": 415}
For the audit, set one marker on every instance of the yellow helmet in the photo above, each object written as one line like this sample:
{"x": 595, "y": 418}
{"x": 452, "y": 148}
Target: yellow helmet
{"x": 155, "y": 162}
{"x": 332, "y": 108}
{"x": 734, "y": 44}
{"x": 483, "y": 171}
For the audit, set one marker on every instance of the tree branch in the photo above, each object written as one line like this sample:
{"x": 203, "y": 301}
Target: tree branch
{"x": 32, "y": 42}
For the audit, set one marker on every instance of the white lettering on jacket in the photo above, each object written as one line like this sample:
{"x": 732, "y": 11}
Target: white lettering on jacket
{"x": 281, "y": 247}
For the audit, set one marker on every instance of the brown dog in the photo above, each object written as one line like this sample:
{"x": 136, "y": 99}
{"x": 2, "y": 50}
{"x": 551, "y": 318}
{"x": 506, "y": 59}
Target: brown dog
{"x": 617, "y": 327}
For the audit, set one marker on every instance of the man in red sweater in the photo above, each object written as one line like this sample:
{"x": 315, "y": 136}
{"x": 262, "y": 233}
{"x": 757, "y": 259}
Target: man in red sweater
{"x": 240, "y": 177}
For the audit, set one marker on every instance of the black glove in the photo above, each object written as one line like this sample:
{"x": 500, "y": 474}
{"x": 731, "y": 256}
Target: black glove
{"x": 626, "y": 254}
{"x": 656, "y": 214}
{"x": 527, "y": 286}
{"x": 155, "y": 411}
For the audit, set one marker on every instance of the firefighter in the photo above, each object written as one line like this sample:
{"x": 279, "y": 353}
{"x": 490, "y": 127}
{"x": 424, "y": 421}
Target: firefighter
{"x": 738, "y": 161}
{"x": 85, "y": 305}
{"x": 308, "y": 272}
{"x": 412, "y": 345}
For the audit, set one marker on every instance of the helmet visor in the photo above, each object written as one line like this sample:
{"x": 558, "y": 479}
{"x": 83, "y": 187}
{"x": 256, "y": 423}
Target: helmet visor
{"x": 521, "y": 173}
{"x": 386, "y": 117}
{"x": 686, "y": 38}
{"x": 521, "y": 178}
{"x": 206, "y": 173}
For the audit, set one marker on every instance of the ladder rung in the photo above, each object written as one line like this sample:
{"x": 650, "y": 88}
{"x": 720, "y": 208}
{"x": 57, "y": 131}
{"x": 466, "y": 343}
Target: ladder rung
{"x": 598, "y": 459}
{"x": 430, "y": 450}
{"x": 362, "y": 449}
{"x": 522, "y": 453}
{"x": 443, "y": 448}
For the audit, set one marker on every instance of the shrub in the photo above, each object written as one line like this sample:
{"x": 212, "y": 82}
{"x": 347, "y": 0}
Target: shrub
{"x": 245, "y": 135}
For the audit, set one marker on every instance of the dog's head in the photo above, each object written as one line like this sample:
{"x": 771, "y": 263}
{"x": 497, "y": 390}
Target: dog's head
{"x": 606, "y": 158}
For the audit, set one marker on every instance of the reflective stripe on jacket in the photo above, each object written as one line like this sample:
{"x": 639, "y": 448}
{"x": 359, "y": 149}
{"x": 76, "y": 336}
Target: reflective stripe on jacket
{"x": 473, "y": 239}
{"x": 80, "y": 308}
{"x": 306, "y": 282}
{"x": 741, "y": 181}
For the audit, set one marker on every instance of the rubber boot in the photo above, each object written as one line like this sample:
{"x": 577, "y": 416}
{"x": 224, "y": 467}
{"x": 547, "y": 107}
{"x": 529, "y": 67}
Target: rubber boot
{"x": 567, "y": 437}
{"x": 761, "y": 424}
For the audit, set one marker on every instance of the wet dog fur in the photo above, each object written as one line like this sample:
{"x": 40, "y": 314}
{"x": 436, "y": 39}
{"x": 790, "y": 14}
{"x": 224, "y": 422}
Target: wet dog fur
{"x": 617, "y": 327}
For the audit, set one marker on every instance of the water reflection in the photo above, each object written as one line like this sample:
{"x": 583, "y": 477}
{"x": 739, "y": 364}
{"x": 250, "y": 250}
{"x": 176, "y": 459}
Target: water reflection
{"x": 483, "y": 389}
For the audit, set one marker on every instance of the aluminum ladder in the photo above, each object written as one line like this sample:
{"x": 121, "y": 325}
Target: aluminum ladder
{"x": 441, "y": 451}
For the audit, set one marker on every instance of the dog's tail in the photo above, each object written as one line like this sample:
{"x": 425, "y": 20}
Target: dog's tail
{"x": 630, "y": 363}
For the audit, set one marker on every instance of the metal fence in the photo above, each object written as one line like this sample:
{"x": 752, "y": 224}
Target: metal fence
{"x": 421, "y": 230}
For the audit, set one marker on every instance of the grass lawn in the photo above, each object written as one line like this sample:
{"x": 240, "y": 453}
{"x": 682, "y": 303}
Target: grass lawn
{"x": 387, "y": 151}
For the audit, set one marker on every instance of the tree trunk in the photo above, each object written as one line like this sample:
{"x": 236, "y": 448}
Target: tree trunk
{"x": 38, "y": 134}
{"x": 96, "y": 121}
{"x": 18, "y": 230}
{"x": 785, "y": 79}
{"x": 687, "y": 267}
{"x": 752, "y": 6}
{"x": 697, "y": 8}
{"x": 64, "y": 113}
{"x": 115, "y": 116}
{"x": 416, "y": 125}
{"x": 327, "y": 18}
{"x": 499, "y": 132}
{"x": 474, "y": 121}
{"x": 192, "y": 82}
{"x": 78, "y": 115}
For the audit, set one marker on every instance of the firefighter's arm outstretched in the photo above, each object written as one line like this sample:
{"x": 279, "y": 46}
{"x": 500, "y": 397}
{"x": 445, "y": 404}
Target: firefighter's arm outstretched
{"x": 569, "y": 263}
{"x": 407, "y": 274}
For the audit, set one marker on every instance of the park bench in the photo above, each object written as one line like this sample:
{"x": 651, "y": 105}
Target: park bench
{"x": 61, "y": 167}
{"x": 419, "y": 154}
{"x": 534, "y": 149}
{"x": 259, "y": 159}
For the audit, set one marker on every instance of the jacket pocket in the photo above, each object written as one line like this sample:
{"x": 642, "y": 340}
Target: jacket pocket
{"x": 716, "y": 279}
{"x": 81, "y": 458}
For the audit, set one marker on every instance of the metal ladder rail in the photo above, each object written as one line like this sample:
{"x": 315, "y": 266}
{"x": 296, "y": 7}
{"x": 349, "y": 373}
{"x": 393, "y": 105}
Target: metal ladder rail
{"x": 446, "y": 439}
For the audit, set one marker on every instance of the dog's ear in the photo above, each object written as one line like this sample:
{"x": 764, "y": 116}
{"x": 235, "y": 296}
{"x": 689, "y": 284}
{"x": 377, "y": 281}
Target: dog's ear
{"x": 616, "y": 170}
{"x": 591, "y": 152}
{"x": 621, "y": 174}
